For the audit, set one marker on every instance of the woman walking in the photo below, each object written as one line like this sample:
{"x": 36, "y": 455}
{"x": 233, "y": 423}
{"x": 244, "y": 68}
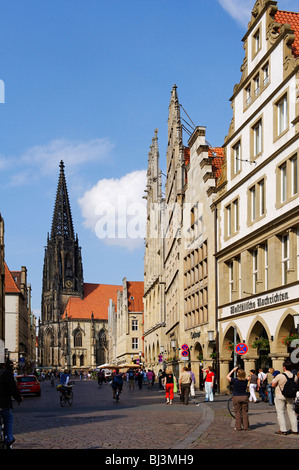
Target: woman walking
{"x": 168, "y": 385}
{"x": 240, "y": 398}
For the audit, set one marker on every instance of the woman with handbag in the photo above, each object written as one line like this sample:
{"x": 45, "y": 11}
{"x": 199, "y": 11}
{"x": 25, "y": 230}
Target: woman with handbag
{"x": 169, "y": 382}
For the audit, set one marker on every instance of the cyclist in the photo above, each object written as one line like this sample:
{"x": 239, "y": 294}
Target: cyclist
{"x": 8, "y": 389}
{"x": 117, "y": 382}
{"x": 64, "y": 381}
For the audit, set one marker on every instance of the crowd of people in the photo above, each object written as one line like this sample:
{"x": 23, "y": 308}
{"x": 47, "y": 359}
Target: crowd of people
{"x": 270, "y": 384}
{"x": 273, "y": 387}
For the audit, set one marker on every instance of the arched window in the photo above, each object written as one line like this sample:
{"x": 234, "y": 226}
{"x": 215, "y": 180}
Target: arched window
{"x": 74, "y": 360}
{"x": 78, "y": 339}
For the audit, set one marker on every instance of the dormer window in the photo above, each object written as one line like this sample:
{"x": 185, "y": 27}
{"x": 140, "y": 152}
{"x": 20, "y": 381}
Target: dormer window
{"x": 256, "y": 45}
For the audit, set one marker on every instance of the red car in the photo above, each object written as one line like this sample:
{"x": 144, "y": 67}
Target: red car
{"x": 28, "y": 384}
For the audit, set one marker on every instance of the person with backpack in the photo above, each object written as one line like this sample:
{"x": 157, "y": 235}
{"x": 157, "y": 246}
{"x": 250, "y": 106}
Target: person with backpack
{"x": 285, "y": 385}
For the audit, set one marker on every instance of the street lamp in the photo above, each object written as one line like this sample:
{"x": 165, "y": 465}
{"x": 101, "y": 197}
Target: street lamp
{"x": 296, "y": 321}
{"x": 140, "y": 354}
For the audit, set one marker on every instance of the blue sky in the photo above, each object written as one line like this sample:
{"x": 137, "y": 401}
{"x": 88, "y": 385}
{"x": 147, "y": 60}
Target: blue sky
{"x": 89, "y": 82}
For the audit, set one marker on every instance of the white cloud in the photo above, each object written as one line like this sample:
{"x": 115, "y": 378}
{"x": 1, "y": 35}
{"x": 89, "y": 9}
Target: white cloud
{"x": 116, "y": 211}
{"x": 47, "y": 157}
{"x": 43, "y": 160}
{"x": 239, "y": 10}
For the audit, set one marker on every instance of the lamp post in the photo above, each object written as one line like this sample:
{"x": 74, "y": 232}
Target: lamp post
{"x": 296, "y": 322}
{"x": 140, "y": 354}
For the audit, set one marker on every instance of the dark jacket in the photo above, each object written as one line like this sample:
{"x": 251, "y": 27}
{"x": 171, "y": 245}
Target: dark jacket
{"x": 8, "y": 389}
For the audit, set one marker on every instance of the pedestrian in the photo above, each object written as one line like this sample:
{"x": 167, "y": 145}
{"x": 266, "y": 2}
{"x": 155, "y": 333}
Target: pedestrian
{"x": 252, "y": 385}
{"x": 100, "y": 378}
{"x": 131, "y": 378}
{"x": 140, "y": 379}
{"x": 8, "y": 389}
{"x": 169, "y": 386}
{"x": 153, "y": 378}
{"x": 261, "y": 384}
{"x": 184, "y": 385}
{"x": 270, "y": 389}
{"x": 144, "y": 377}
{"x": 240, "y": 398}
{"x": 283, "y": 404}
{"x": 192, "y": 389}
{"x": 209, "y": 383}
{"x": 149, "y": 376}
{"x": 160, "y": 376}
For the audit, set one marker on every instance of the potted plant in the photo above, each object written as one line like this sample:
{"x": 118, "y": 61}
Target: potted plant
{"x": 261, "y": 344}
{"x": 287, "y": 340}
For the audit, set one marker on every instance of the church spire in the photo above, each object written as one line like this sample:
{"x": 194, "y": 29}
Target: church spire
{"x": 62, "y": 223}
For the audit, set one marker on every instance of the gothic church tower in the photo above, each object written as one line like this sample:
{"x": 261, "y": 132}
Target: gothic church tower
{"x": 62, "y": 276}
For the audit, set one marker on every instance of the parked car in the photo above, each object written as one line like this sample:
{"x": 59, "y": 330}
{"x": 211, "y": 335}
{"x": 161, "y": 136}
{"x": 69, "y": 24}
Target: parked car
{"x": 28, "y": 384}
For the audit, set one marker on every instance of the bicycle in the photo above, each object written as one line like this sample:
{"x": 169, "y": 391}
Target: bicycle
{"x": 66, "y": 394}
{"x": 230, "y": 407}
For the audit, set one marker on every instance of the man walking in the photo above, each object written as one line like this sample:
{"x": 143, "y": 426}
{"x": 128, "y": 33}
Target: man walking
{"x": 184, "y": 385}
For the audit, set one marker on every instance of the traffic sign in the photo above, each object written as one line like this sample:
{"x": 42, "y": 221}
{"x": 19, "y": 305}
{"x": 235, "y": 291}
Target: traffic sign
{"x": 185, "y": 347}
{"x": 241, "y": 348}
{"x": 185, "y": 353}
{"x": 160, "y": 357}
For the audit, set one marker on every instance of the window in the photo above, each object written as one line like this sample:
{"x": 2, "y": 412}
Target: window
{"x": 231, "y": 280}
{"x": 134, "y": 325}
{"x": 257, "y": 85}
{"x": 266, "y": 75}
{"x": 232, "y": 218}
{"x": 266, "y": 265}
{"x": 134, "y": 343}
{"x": 285, "y": 258}
{"x": 294, "y": 184}
{"x": 282, "y": 115}
{"x": 234, "y": 278}
{"x": 236, "y": 215}
{"x": 283, "y": 182}
{"x": 255, "y": 270}
{"x": 248, "y": 95}
{"x": 256, "y": 42}
{"x": 237, "y": 157}
{"x": 78, "y": 339}
{"x": 257, "y": 138}
{"x": 253, "y": 203}
{"x": 261, "y": 186}
{"x": 257, "y": 201}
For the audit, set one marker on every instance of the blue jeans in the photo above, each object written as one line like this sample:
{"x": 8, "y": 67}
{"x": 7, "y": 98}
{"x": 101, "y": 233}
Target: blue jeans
{"x": 7, "y": 416}
{"x": 209, "y": 391}
{"x": 270, "y": 391}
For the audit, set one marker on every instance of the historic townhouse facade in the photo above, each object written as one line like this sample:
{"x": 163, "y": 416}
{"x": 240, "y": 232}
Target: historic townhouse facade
{"x": 19, "y": 322}
{"x": 257, "y": 212}
{"x": 154, "y": 283}
{"x": 203, "y": 170}
{"x": 129, "y": 323}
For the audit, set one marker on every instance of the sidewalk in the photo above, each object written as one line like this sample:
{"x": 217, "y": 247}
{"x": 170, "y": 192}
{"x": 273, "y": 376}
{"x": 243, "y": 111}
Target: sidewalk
{"x": 217, "y": 428}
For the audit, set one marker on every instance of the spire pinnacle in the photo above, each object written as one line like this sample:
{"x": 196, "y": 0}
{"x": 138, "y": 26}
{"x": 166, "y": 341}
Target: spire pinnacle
{"x": 62, "y": 223}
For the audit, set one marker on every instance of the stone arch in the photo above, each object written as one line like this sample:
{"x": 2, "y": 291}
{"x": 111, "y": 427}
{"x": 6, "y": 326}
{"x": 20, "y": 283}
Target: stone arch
{"x": 256, "y": 328}
{"x": 228, "y": 340}
{"x": 284, "y": 328}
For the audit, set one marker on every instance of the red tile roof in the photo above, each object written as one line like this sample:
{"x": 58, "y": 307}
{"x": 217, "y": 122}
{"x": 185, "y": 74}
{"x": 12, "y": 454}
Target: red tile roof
{"x": 10, "y": 285}
{"x": 217, "y": 154}
{"x": 135, "y": 296}
{"x": 95, "y": 301}
{"x": 292, "y": 19}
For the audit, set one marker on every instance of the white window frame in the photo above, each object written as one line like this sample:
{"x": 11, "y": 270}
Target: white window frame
{"x": 257, "y": 138}
{"x": 135, "y": 343}
{"x": 285, "y": 258}
{"x": 282, "y": 115}
{"x": 134, "y": 325}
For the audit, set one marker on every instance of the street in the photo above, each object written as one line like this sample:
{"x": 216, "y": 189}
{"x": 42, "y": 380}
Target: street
{"x": 140, "y": 420}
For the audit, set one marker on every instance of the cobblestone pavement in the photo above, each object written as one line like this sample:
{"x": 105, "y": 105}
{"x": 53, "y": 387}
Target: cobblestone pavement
{"x": 140, "y": 420}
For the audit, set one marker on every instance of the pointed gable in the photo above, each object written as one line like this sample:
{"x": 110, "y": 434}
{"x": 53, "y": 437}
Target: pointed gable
{"x": 135, "y": 296}
{"x": 10, "y": 284}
